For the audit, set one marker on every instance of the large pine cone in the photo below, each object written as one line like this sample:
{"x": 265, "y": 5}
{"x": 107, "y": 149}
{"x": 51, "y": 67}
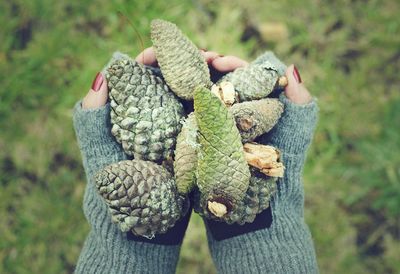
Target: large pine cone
{"x": 145, "y": 114}
{"x": 222, "y": 171}
{"x": 142, "y": 197}
{"x": 181, "y": 63}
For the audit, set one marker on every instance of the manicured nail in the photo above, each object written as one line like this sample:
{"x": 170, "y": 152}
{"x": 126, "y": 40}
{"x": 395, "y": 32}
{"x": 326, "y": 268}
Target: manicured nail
{"x": 98, "y": 80}
{"x": 296, "y": 74}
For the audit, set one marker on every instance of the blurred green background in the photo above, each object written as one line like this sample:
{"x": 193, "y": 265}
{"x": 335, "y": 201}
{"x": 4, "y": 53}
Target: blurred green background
{"x": 348, "y": 53}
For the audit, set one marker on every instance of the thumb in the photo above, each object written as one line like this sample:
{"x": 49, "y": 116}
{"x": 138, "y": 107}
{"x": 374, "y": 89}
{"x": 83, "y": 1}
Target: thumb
{"x": 295, "y": 91}
{"x": 98, "y": 93}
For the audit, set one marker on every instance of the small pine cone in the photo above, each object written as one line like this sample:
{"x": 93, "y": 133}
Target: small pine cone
{"x": 253, "y": 82}
{"x": 257, "y": 117}
{"x": 141, "y": 195}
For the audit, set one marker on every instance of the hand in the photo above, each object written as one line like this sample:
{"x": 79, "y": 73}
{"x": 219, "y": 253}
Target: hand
{"x": 98, "y": 93}
{"x": 219, "y": 62}
{"x": 295, "y": 91}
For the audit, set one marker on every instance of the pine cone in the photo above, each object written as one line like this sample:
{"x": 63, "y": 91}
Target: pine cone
{"x": 181, "y": 63}
{"x": 144, "y": 113}
{"x": 254, "y": 118}
{"x": 141, "y": 195}
{"x": 185, "y": 163}
{"x": 253, "y": 82}
{"x": 223, "y": 173}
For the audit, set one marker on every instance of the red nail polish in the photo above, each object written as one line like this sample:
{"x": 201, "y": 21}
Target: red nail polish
{"x": 98, "y": 80}
{"x": 296, "y": 75}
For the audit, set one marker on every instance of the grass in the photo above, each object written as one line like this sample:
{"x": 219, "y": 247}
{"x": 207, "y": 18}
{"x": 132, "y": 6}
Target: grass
{"x": 347, "y": 53}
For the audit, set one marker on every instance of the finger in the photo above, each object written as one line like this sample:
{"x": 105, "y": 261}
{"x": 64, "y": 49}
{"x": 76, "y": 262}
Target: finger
{"x": 295, "y": 91}
{"x": 147, "y": 57}
{"x": 98, "y": 93}
{"x": 228, "y": 63}
{"x": 210, "y": 55}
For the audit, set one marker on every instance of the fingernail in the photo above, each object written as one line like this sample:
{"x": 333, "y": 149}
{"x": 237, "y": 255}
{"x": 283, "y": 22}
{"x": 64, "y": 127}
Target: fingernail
{"x": 203, "y": 49}
{"x": 296, "y": 74}
{"x": 221, "y": 55}
{"x": 98, "y": 80}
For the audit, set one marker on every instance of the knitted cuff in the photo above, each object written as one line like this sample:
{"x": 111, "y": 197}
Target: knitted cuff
{"x": 93, "y": 131}
{"x": 92, "y": 125}
{"x": 294, "y": 131}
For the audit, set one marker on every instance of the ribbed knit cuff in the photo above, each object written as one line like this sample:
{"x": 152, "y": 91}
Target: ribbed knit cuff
{"x": 92, "y": 125}
{"x": 93, "y": 131}
{"x": 294, "y": 131}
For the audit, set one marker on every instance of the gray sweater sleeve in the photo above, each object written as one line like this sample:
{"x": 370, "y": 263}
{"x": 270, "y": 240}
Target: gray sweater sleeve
{"x": 107, "y": 249}
{"x": 286, "y": 246}
{"x": 295, "y": 129}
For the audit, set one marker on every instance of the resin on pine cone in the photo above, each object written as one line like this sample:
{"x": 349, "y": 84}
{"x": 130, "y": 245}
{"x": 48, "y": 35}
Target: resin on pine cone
{"x": 142, "y": 197}
{"x": 145, "y": 114}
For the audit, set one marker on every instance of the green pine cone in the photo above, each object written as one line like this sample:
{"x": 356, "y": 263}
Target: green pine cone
{"x": 222, "y": 171}
{"x": 145, "y": 114}
{"x": 257, "y": 117}
{"x": 253, "y": 82}
{"x": 256, "y": 199}
{"x": 141, "y": 195}
{"x": 181, "y": 63}
{"x": 185, "y": 163}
